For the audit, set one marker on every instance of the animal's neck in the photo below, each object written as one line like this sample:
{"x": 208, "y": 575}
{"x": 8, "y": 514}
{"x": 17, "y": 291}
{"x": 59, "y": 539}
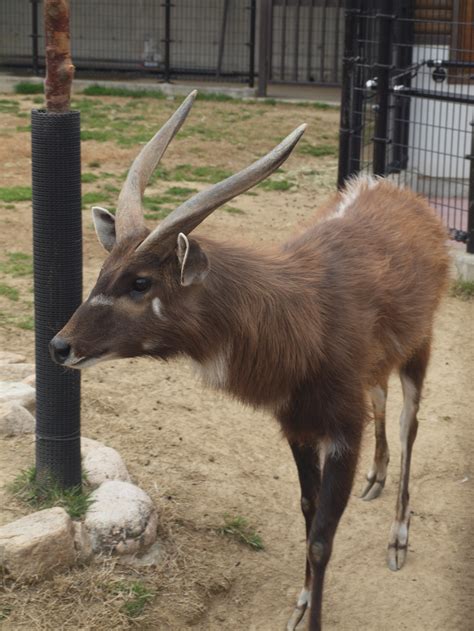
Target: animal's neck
{"x": 261, "y": 320}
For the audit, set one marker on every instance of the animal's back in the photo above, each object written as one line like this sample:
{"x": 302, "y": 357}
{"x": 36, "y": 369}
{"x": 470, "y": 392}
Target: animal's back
{"x": 386, "y": 261}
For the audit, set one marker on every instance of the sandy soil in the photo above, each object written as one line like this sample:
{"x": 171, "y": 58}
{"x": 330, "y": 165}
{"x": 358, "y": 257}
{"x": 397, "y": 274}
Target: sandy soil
{"x": 200, "y": 456}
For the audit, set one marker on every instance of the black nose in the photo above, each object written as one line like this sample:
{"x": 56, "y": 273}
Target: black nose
{"x": 59, "y": 349}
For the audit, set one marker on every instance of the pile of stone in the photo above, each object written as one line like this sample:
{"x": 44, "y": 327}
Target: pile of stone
{"x": 121, "y": 518}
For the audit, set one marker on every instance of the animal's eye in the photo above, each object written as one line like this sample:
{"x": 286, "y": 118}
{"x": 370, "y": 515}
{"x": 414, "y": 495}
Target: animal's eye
{"x": 141, "y": 285}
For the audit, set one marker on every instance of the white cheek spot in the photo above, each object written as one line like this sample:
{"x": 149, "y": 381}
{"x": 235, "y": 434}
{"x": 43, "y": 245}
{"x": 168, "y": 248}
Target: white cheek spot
{"x": 101, "y": 301}
{"x": 157, "y": 307}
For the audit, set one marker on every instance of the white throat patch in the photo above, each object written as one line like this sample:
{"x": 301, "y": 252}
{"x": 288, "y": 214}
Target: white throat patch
{"x": 215, "y": 371}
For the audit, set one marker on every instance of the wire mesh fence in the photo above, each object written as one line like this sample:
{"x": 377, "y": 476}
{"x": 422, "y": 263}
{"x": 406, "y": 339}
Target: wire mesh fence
{"x": 213, "y": 39}
{"x": 409, "y": 101}
{"x": 306, "y": 45}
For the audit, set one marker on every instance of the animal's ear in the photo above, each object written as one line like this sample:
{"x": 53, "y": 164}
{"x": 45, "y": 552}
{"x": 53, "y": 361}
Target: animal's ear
{"x": 193, "y": 261}
{"x": 104, "y": 223}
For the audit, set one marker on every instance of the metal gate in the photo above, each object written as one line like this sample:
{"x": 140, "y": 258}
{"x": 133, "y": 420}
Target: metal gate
{"x": 306, "y": 41}
{"x": 408, "y": 101}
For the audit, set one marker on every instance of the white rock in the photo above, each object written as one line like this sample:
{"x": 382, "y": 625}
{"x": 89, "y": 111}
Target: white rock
{"x": 121, "y": 518}
{"x": 102, "y": 463}
{"x": 15, "y": 419}
{"x": 20, "y": 393}
{"x": 15, "y": 372}
{"x": 30, "y": 380}
{"x": 11, "y": 358}
{"x": 37, "y": 544}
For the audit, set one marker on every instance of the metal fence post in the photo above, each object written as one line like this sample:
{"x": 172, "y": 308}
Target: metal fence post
{"x": 264, "y": 46}
{"x": 167, "y": 41}
{"x": 345, "y": 130}
{"x": 34, "y": 36}
{"x": 383, "y": 66}
{"x": 253, "y": 18}
{"x": 470, "y": 216}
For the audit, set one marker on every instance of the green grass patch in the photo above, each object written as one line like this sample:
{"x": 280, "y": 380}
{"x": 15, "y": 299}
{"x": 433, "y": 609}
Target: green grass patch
{"x": 94, "y": 197}
{"x": 27, "y": 87}
{"x": 463, "y": 289}
{"x": 15, "y": 193}
{"x": 17, "y": 264}
{"x": 136, "y": 596}
{"x": 27, "y": 324}
{"x": 23, "y": 128}
{"x": 99, "y": 90}
{"x": 233, "y": 210}
{"x": 7, "y": 106}
{"x": 86, "y": 178}
{"x": 9, "y": 292}
{"x": 317, "y": 151}
{"x": 95, "y": 164}
{"x": 5, "y": 611}
{"x": 47, "y": 493}
{"x": 215, "y": 96}
{"x": 100, "y": 135}
{"x": 239, "y": 529}
{"x": 276, "y": 185}
{"x": 179, "y": 191}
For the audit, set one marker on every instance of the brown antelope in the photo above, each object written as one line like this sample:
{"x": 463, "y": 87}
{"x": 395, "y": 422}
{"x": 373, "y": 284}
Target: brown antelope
{"x": 305, "y": 330}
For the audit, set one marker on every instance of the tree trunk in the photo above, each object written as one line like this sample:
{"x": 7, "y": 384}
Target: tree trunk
{"x": 59, "y": 67}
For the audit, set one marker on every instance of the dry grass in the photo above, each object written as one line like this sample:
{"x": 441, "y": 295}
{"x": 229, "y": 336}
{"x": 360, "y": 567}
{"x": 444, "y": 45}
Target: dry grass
{"x": 198, "y": 565}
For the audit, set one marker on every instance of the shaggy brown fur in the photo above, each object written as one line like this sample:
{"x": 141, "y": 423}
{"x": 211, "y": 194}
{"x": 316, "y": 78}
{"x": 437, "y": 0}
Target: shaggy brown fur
{"x": 305, "y": 330}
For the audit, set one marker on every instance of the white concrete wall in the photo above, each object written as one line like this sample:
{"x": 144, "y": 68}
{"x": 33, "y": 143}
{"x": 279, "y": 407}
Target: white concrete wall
{"x": 440, "y": 134}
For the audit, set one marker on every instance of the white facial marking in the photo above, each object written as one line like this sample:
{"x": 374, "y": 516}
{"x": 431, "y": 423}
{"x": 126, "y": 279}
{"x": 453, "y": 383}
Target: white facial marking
{"x": 101, "y": 301}
{"x": 85, "y": 362}
{"x": 215, "y": 371}
{"x": 352, "y": 190}
{"x": 157, "y": 307}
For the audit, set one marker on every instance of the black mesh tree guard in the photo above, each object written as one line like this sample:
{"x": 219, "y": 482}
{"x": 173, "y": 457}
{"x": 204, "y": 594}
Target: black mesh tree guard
{"x": 57, "y": 249}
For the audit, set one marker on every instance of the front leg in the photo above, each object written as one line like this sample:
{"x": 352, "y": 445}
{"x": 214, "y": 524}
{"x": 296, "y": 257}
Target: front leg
{"x": 337, "y": 478}
{"x": 309, "y": 474}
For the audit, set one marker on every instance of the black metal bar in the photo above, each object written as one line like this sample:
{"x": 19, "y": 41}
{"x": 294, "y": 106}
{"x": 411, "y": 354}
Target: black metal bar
{"x": 382, "y": 69}
{"x": 220, "y": 53}
{"x": 167, "y": 41}
{"x": 296, "y": 44}
{"x": 470, "y": 216}
{"x": 336, "y": 42}
{"x": 450, "y": 97}
{"x": 405, "y": 37}
{"x": 309, "y": 50}
{"x": 283, "y": 41}
{"x": 34, "y": 37}
{"x": 323, "y": 43}
{"x": 348, "y": 60}
{"x": 57, "y": 250}
{"x": 264, "y": 47}
{"x": 253, "y": 19}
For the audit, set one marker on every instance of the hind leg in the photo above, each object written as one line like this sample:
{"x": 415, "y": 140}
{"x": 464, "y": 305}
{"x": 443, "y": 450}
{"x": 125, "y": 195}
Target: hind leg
{"x": 378, "y": 472}
{"x": 412, "y": 375}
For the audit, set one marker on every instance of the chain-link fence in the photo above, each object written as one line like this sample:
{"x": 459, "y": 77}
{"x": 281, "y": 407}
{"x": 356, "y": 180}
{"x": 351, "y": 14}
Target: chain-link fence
{"x": 408, "y": 101}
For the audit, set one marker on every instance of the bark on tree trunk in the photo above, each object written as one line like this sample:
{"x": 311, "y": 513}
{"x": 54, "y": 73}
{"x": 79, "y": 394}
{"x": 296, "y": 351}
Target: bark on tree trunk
{"x": 59, "y": 67}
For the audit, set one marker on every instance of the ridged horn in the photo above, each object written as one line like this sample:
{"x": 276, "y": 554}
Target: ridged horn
{"x": 129, "y": 215}
{"x": 192, "y": 212}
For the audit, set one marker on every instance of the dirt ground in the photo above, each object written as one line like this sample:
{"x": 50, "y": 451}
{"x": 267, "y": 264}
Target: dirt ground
{"x": 200, "y": 455}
